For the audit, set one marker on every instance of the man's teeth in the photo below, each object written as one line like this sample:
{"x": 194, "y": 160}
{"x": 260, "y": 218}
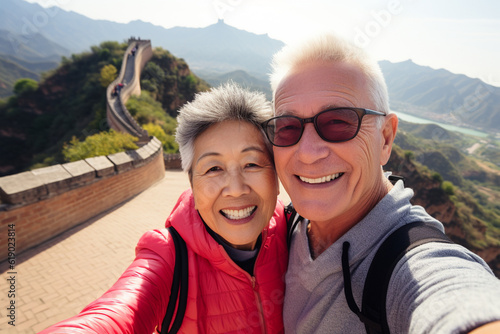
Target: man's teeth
{"x": 239, "y": 214}
{"x": 320, "y": 179}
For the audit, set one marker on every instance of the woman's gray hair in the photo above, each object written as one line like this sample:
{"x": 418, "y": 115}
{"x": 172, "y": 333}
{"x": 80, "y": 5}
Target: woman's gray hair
{"x": 331, "y": 49}
{"x": 228, "y": 102}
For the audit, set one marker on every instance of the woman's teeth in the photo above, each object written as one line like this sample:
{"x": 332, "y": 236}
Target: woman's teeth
{"x": 320, "y": 179}
{"x": 239, "y": 214}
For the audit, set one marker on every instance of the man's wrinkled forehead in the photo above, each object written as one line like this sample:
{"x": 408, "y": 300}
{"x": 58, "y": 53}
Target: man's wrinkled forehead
{"x": 320, "y": 86}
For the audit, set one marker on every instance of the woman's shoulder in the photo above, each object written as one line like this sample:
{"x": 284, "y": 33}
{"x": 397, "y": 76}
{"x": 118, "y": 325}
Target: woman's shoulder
{"x": 277, "y": 225}
{"x": 157, "y": 241}
{"x": 279, "y": 213}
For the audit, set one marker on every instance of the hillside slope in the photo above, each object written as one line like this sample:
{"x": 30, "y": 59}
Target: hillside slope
{"x": 441, "y": 95}
{"x": 71, "y": 102}
{"x": 464, "y": 220}
{"x": 10, "y": 72}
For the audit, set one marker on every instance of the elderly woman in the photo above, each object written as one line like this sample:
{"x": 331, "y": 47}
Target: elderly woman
{"x": 231, "y": 222}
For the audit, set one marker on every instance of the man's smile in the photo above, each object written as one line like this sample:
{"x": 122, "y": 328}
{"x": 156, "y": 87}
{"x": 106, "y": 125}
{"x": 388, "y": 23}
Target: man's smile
{"x": 322, "y": 179}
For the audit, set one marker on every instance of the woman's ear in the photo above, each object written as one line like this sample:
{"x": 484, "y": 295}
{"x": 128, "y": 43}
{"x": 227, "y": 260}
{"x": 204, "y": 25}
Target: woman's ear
{"x": 277, "y": 182}
{"x": 389, "y": 129}
{"x": 190, "y": 176}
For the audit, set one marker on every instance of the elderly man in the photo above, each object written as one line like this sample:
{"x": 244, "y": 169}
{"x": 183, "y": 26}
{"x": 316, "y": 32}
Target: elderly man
{"x": 332, "y": 133}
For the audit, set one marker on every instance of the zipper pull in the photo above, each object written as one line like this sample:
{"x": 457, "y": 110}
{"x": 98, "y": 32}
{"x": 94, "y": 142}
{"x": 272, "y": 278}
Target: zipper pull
{"x": 253, "y": 282}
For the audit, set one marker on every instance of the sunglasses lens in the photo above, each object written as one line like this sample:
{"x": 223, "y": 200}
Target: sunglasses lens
{"x": 338, "y": 125}
{"x": 284, "y": 131}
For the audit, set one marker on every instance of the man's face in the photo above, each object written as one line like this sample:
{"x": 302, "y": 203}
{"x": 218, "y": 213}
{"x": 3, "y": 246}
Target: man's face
{"x": 327, "y": 182}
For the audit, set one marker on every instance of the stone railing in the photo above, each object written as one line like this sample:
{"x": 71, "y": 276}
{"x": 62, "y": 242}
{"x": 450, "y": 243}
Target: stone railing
{"x": 45, "y": 202}
{"x": 42, "y": 203}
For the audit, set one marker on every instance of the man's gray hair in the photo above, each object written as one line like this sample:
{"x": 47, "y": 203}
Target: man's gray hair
{"x": 332, "y": 49}
{"x": 228, "y": 102}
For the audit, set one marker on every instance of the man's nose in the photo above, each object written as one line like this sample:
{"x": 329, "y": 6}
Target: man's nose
{"x": 311, "y": 147}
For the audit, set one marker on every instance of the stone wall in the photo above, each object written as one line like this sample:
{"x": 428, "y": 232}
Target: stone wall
{"x": 45, "y": 202}
{"x": 117, "y": 114}
{"x": 173, "y": 161}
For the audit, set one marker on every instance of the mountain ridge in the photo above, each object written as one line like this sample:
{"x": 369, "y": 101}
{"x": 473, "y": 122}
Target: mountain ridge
{"x": 442, "y": 96}
{"x": 219, "y": 49}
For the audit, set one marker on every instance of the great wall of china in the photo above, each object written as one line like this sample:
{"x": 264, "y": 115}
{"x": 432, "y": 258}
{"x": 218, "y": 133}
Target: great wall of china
{"x": 45, "y": 202}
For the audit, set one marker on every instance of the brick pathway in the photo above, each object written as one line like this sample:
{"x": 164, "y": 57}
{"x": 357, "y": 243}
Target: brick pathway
{"x": 58, "y": 278}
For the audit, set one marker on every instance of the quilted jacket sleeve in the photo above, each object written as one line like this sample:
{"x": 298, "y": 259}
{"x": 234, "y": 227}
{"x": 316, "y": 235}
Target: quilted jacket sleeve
{"x": 137, "y": 302}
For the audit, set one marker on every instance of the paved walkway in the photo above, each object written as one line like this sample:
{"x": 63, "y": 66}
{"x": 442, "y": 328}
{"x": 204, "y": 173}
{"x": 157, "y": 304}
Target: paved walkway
{"x": 58, "y": 278}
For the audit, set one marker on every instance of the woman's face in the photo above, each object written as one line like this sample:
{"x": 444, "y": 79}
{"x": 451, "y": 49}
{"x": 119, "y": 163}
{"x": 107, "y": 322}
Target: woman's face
{"x": 234, "y": 182}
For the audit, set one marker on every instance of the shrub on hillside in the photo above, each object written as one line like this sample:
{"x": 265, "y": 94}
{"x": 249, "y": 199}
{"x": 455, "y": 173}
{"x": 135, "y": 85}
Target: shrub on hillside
{"x": 108, "y": 75}
{"x": 448, "y": 188}
{"x": 102, "y": 143}
{"x": 168, "y": 141}
{"x": 148, "y": 112}
{"x": 25, "y": 85}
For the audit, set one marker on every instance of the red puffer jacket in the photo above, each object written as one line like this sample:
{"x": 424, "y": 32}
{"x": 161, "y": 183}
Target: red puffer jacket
{"x": 222, "y": 298}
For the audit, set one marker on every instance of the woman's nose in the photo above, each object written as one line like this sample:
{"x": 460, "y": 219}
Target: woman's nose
{"x": 236, "y": 184}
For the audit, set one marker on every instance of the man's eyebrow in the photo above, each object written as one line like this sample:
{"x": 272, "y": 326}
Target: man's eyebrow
{"x": 320, "y": 109}
{"x": 285, "y": 113}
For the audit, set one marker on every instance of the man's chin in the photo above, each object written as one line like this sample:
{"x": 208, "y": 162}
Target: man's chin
{"x": 314, "y": 209}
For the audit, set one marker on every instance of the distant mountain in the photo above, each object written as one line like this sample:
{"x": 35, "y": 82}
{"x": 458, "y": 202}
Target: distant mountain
{"x": 240, "y": 77}
{"x": 72, "y": 32}
{"x": 221, "y": 48}
{"x": 34, "y": 66}
{"x": 217, "y": 48}
{"x": 442, "y": 95}
{"x": 33, "y": 47}
{"x": 219, "y": 52}
{"x": 25, "y": 60}
{"x": 10, "y": 72}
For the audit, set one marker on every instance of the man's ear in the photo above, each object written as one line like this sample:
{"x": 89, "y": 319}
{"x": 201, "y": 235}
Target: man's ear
{"x": 389, "y": 129}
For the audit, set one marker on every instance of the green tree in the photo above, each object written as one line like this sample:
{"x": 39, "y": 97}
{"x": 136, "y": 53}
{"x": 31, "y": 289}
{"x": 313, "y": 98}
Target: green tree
{"x": 437, "y": 177}
{"x": 409, "y": 155}
{"x": 108, "y": 74}
{"x": 448, "y": 188}
{"x": 25, "y": 85}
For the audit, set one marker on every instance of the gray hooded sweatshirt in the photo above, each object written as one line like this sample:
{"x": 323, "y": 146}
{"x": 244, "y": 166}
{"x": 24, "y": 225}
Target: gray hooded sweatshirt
{"x": 434, "y": 288}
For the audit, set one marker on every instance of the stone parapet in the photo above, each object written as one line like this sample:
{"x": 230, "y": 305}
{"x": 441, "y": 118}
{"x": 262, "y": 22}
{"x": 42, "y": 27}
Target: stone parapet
{"x": 48, "y": 201}
{"x": 118, "y": 116}
{"x": 80, "y": 171}
{"x": 38, "y": 184}
{"x": 22, "y": 188}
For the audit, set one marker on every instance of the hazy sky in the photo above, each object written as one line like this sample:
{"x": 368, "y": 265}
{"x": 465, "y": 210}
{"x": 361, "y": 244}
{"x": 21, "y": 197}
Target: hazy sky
{"x": 462, "y": 36}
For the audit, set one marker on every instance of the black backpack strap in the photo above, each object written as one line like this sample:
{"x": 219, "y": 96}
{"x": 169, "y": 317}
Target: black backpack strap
{"x": 388, "y": 255}
{"x": 179, "y": 289}
{"x": 292, "y": 219}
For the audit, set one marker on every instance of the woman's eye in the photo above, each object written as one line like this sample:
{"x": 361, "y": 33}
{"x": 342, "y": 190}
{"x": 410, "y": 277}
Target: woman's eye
{"x": 214, "y": 169}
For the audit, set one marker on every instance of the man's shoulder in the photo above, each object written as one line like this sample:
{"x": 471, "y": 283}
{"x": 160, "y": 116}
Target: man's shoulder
{"x": 441, "y": 286}
{"x": 454, "y": 257}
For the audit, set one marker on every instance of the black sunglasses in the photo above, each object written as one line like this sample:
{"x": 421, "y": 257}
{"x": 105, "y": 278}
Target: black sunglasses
{"x": 333, "y": 125}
